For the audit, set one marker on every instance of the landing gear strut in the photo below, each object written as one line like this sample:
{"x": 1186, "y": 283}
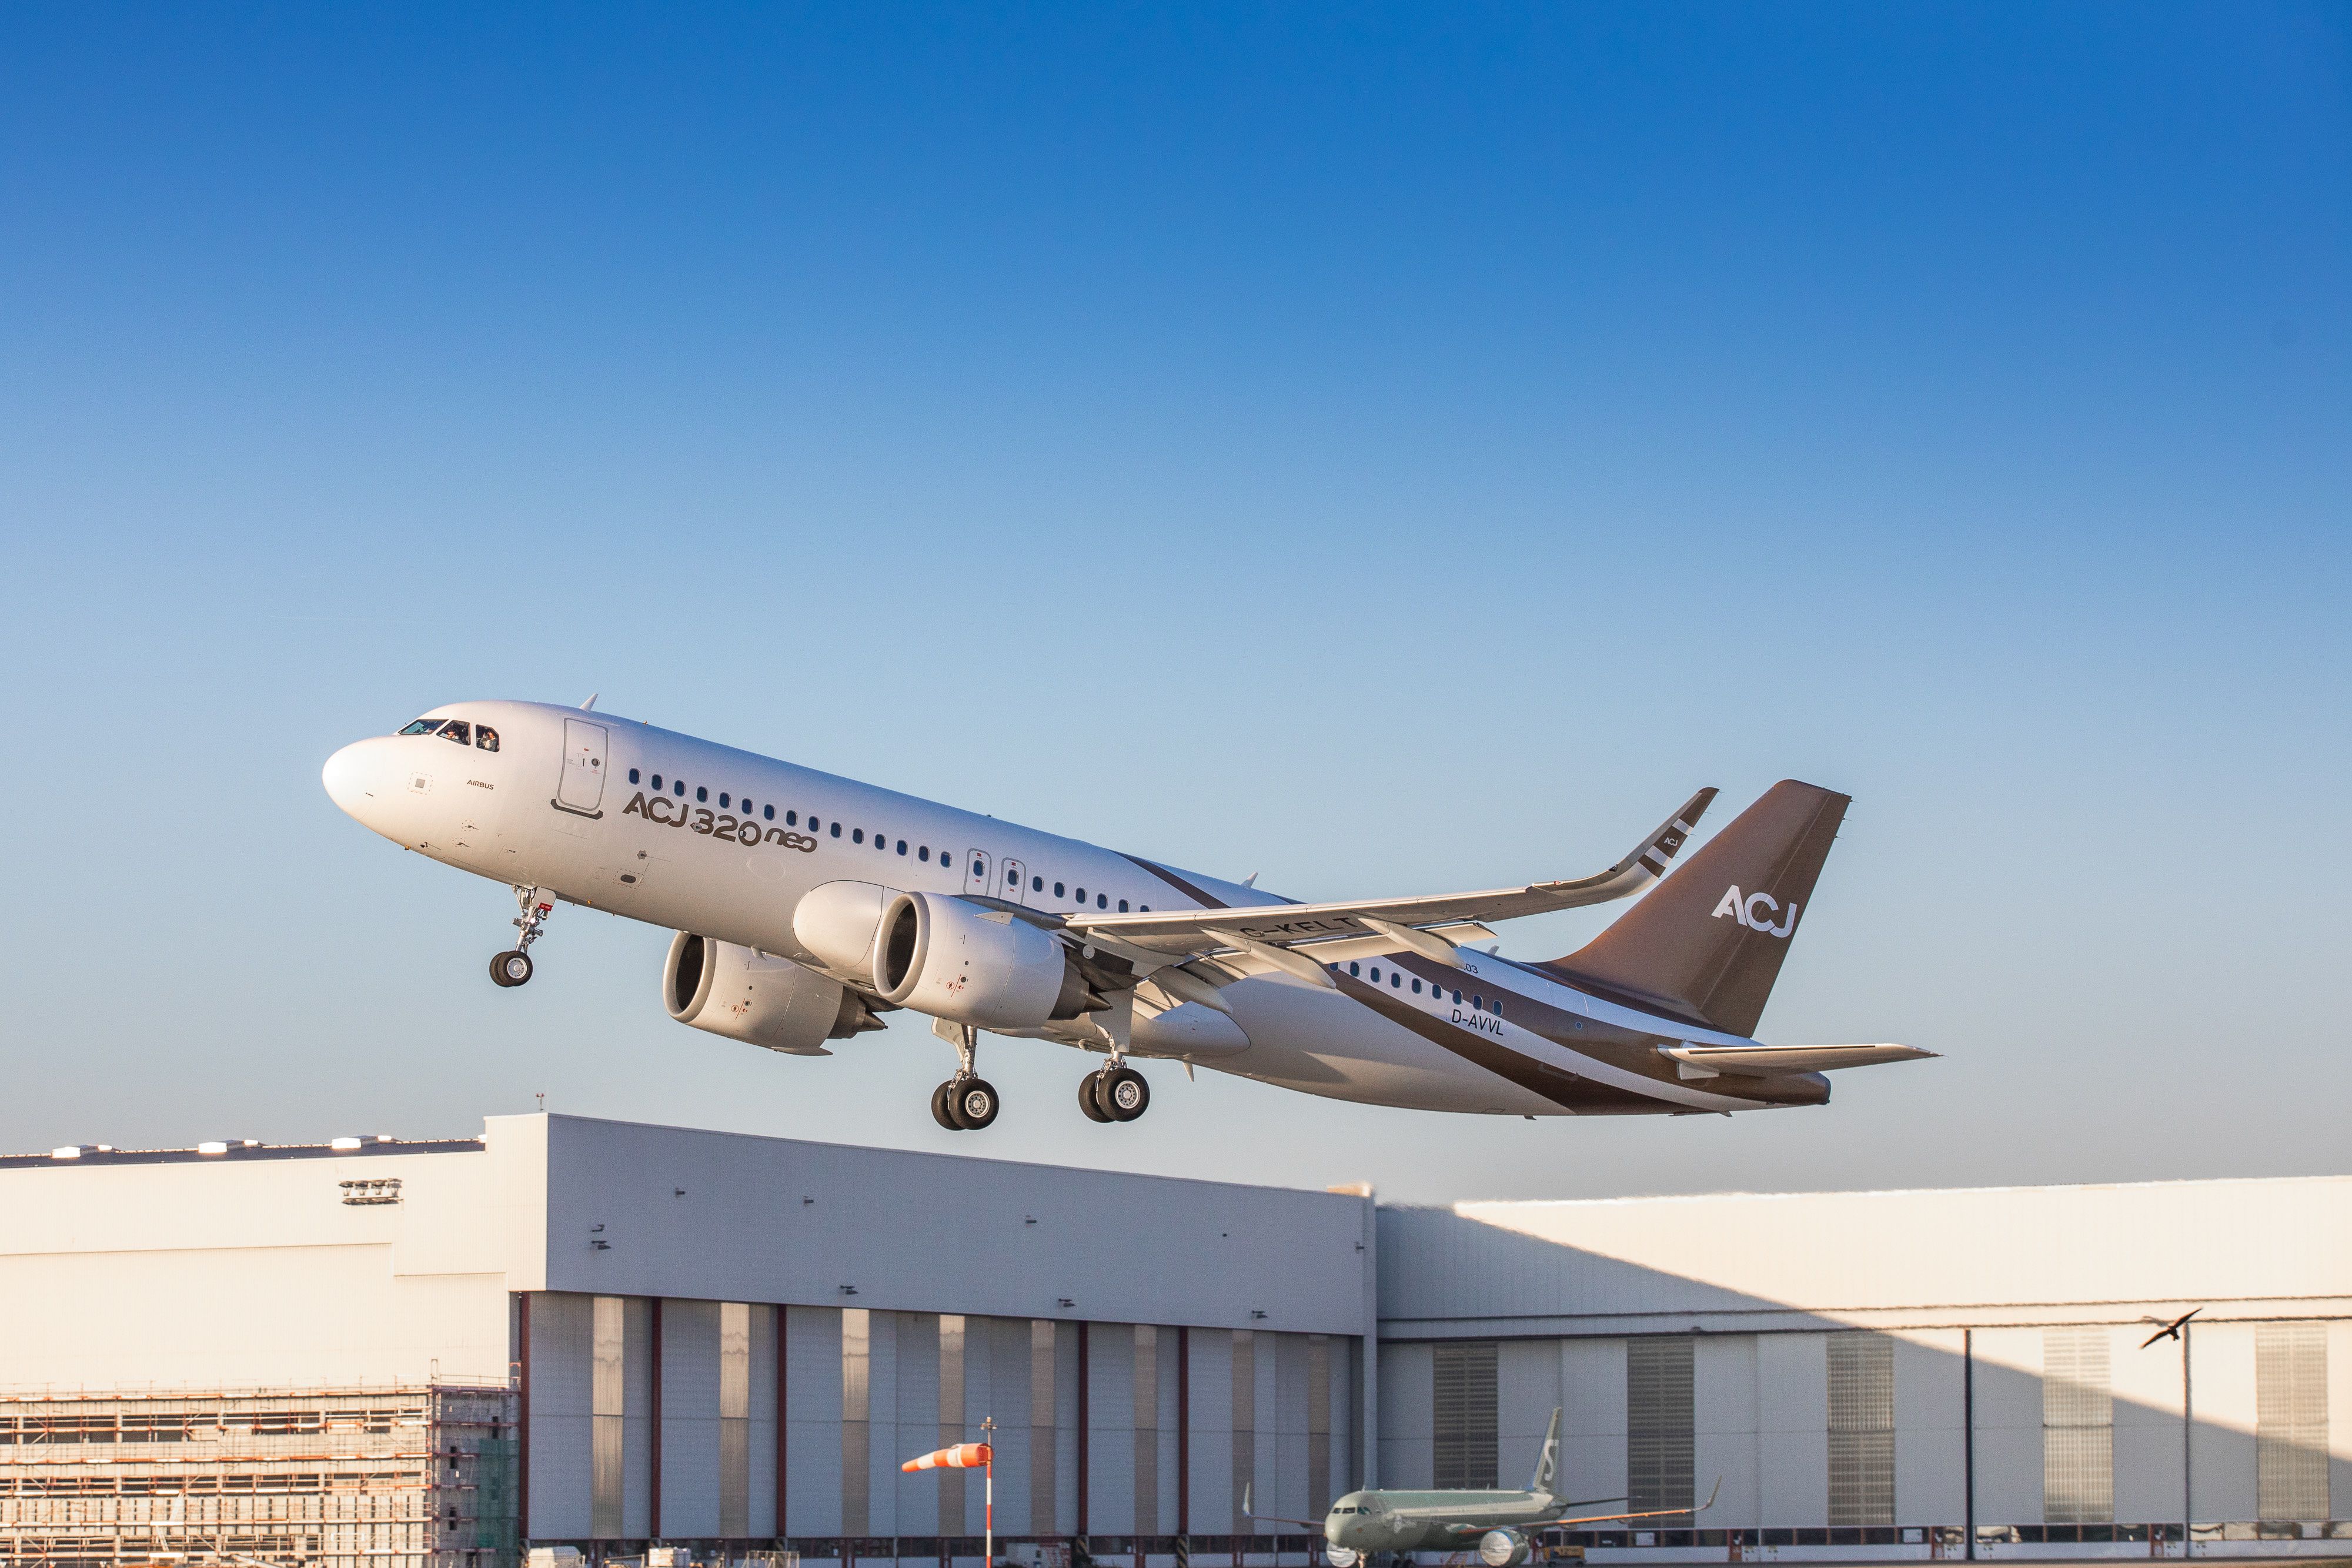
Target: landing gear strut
{"x": 966, "y": 1102}
{"x": 512, "y": 967}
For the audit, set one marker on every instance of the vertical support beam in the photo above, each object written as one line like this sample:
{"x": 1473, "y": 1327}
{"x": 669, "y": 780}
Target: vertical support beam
{"x": 522, "y": 1418}
{"x": 783, "y": 1427}
{"x": 1184, "y": 1432}
{"x": 1969, "y": 1436}
{"x": 1368, "y": 1438}
{"x": 1086, "y": 1434}
{"x": 654, "y": 1426}
{"x": 2188, "y": 1449}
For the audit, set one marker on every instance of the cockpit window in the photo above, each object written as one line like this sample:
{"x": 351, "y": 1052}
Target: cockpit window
{"x": 423, "y": 727}
{"x": 459, "y": 730}
{"x": 486, "y": 737}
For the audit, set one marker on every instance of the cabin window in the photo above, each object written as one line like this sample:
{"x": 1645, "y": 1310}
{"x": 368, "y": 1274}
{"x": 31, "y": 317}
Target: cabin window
{"x": 1036, "y": 884}
{"x": 485, "y": 737}
{"x": 1122, "y": 906}
{"x": 769, "y": 812}
{"x": 902, "y": 846}
{"x": 1416, "y": 988}
{"x": 1396, "y": 980}
{"x": 1498, "y": 1007}
{"x": 656, "y": 781}
{"x": 1012, "y": 878}
{"x": 677, "y": 788}
{"x": 857, "y": 835}
{"x": 1478, "y": 1002}
{"x": 702, "y": 793}
{"x": 836, "y": 830}
{"x": 633, "y": 775}
{"x": 1057, "y": 890}
{"x": 1353, "y": 970}
{"x": 1376, "y": 974}
{"x": 923, "y": 852}
{"x": 1082, "y": 895}
{"x": 722, "y": 797}
{"x": 1102, "y": 901}
{"x": 1145, "y": 909}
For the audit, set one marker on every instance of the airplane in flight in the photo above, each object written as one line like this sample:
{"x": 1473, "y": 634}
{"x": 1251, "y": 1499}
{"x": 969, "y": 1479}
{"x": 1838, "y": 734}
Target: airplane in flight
{"x": 1500, "y": 1525}
{"x": 807, "y": 906}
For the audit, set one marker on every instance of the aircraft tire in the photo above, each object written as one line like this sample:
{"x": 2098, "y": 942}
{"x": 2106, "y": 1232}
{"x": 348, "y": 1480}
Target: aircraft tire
{"x": 511, "y": 969}
{"x": 973, "y": 1103}
{"x": 942, "y": 1111}
{"x": 1125, "y": 1093}
{"x": 1087, "y": 1100}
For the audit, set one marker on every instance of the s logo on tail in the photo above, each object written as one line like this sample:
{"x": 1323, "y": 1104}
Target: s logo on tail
{"x": 1744, "y": 911}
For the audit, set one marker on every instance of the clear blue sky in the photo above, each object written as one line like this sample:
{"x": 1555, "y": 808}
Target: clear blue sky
{"x": 1389, "y": 449}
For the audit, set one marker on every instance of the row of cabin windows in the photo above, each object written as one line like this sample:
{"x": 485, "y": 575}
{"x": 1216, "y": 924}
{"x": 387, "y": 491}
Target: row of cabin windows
{"x": 480, "y": 736}
{"x": 857, "y": 835}
{"x": 1398, "y": 980}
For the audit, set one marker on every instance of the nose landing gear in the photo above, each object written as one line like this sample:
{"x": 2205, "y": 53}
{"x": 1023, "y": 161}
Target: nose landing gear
{"x": 513, "y": 967}
{"x": 966, "y": 1102}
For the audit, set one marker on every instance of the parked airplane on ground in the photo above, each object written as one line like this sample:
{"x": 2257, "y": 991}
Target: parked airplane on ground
{"x": 1500, "y": 1525}
{"x": 807, "y": 906}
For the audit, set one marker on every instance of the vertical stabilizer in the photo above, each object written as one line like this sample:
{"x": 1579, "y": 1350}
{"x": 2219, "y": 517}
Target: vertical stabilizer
{"x": 1547, "y": 1462}
{"x": 1708, "y": 941}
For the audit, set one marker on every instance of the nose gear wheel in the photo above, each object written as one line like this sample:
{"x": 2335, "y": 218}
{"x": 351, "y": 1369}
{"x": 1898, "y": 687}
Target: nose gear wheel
{"x": 513, "y": 967}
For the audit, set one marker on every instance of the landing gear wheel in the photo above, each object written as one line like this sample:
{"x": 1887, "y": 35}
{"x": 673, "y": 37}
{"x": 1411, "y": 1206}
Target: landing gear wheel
{"x": 940, "y": 1111}
{"x": 1087, "y": 1100}
{"x": 511, "y": 969}
{"x": 973, "y": 1103}
{"x": 1124, "y": 1094}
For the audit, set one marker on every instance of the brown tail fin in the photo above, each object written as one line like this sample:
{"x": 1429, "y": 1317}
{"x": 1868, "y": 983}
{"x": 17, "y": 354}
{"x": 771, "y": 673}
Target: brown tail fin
{"x": 1708, "y": 941}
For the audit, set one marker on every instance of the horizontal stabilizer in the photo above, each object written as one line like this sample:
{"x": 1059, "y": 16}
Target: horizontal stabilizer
{"x": 1764, "y": 1060}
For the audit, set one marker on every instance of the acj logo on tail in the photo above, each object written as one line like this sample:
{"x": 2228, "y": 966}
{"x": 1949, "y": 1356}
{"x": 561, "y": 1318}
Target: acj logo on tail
{"x": 1744, "y": 911}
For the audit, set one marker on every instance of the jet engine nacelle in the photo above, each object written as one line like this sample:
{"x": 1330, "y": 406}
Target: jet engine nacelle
{"x": 969, "y": 964}
{"x": 748, "y": 995}
{"x": 1502, "y": 1548}
{"x": 1342, "y": 1556}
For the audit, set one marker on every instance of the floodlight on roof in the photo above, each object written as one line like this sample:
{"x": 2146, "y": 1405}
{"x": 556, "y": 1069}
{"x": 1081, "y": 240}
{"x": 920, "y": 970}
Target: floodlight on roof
{"x": 68, "y": 1151}
{"x": 344, "y": 1142}
{"x": 212, "y": 1147}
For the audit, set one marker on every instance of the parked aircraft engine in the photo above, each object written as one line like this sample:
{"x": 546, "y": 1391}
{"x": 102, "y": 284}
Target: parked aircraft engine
{"x": 1342, "y": 1556}
{"x": 1502, "y": 1548}
{"x": 971, "y": 964}
{"x": 748, "y": 995}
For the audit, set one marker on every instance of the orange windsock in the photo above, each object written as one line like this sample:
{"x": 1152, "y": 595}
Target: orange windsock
{"x": 963, "y": 1456}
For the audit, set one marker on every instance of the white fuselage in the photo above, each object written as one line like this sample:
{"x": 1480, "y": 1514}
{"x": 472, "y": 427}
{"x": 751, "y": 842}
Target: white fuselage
{"x": 682, "y": 833}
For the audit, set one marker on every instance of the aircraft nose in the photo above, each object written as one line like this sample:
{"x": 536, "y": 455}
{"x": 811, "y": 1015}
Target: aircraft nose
{"x": 352, "y": 778}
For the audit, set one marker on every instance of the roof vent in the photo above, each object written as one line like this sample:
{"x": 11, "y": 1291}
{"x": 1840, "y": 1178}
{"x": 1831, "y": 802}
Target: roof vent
{"x": 360, "y": 1140}
{"x": 223, "y": 1145}
{"x": 72, "y": 1151}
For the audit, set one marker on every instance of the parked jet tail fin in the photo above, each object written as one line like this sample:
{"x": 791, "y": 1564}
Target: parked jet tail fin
{"x": 1547, "y": 1462}
{"x": 1709, "y": 940}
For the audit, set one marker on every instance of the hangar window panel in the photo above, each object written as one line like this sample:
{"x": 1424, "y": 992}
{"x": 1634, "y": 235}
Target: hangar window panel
{"x": 1044, "y": 1454}
{"x": 1463, "y": 1413}
{"x": 1244, "y": 1419}
{"x": 1862, "y": 1428}
{"x": 1659, "y": 1429}
{"x": 2291, "y": 1421}
{"x": 608, "y": 1407}
{"x": 2078, "y": 1427}
{"x": 857, "y": 1370}
{"x": 734, "y": 1419}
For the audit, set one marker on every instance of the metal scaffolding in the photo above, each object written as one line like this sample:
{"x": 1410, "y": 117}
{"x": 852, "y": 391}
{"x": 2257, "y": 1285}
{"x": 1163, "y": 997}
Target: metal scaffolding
{"x": 413, "y": 1477}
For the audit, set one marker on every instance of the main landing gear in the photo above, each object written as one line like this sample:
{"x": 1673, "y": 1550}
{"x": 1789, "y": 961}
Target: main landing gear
{"x": 512, "y": 967}
{"x": 1115, "y": 1092}
{"x": 966, "y": 1102}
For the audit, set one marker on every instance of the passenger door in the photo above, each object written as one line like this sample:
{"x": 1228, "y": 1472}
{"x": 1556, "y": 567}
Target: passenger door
{"x": 976, "y": 880}
{"x": 582, "y": 787}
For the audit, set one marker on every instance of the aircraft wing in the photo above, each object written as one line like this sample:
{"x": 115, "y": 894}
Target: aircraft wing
{"x": 1191, "y": 932}
{"x": 1646, "y": 1513}
{"x": 1764, "y": 1060}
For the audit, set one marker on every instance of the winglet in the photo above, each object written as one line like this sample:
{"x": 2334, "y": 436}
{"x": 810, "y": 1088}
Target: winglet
{"x": 1655, "y": 853}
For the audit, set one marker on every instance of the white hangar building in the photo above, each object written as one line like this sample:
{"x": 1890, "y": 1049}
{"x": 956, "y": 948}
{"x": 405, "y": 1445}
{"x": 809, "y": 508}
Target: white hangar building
{"x": 637, "y": 1340}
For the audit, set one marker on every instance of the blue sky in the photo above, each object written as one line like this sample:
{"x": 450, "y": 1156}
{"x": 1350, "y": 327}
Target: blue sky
{"x": 1389, "y": 449}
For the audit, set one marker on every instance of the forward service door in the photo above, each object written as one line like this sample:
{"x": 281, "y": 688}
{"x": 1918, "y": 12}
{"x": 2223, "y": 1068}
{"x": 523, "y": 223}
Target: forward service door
{"x": 582, "y": 787}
